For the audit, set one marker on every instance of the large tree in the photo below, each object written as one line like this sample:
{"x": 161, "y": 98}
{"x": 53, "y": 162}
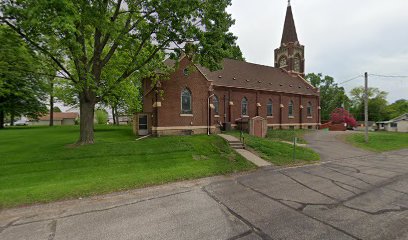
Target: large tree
{"x": 398, "y": 108}
{"x": 82, "y": 37}
{"x": 377, "y": 104}
{"x": 331, "y": 95}
{"x": 22, "y": 88}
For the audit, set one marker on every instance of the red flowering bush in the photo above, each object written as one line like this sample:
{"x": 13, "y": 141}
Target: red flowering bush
{"x": 350, "y": 121}
{"x": 340, "y": 115}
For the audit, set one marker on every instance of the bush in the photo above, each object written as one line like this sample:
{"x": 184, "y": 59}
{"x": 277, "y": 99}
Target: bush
{"x": 101, "y": 116}
{"x": 340, "y": 115}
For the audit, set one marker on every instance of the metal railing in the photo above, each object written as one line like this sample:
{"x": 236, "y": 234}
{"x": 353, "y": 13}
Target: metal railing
{"x": 242, "y": 138}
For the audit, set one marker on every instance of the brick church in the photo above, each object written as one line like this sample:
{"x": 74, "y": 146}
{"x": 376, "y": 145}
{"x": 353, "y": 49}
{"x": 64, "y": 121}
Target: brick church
{"x": 201, "y": 101}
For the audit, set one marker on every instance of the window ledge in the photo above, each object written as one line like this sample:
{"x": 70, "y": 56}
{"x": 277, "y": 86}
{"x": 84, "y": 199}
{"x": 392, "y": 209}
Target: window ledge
{"x": 309, "y": 117}
{"x": 269, "y": 116}
{"x": 186, "y": 115}
{"x": 291, "y": 116}
{"x": 217, "y": 116}
{"x": 245, "y": 116}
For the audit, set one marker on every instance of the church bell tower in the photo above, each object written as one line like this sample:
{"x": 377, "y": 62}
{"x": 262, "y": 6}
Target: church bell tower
{"x": 291, "y": 54}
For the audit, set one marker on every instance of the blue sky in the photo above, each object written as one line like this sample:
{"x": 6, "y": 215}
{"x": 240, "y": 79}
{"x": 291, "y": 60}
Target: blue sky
{"x": 342, "y": 38}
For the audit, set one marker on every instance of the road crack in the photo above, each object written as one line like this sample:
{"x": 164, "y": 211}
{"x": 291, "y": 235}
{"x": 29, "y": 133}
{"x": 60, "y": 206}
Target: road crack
{"x": 301, "y": 210}
{"x": 103, "y": 209}
{"x": 306, "y": 186}
{"x": 335, "y": 182}
{"x": 255, "y": 229}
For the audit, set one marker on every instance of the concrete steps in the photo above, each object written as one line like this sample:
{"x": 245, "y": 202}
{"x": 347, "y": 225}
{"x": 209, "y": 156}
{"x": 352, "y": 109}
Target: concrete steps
{"x": 236, "y": 145}
{"x": 240, "y": 148}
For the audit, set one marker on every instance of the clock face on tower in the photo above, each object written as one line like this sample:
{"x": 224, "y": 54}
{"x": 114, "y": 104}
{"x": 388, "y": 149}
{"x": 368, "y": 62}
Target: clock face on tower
{"x": 282, "y": 62}
{"x": 296, "y": 65}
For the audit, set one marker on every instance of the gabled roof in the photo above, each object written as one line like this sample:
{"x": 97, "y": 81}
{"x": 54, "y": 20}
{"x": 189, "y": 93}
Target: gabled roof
{"x": 246, "y": 75}
{"x": 400, "y": 118}
{"x": 289, "y": 29}
{"x": 60, "y": 116}
{"x": 403, "y": 117}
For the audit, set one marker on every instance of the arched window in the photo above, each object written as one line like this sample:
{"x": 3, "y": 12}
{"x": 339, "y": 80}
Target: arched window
{"x": 244, "y": 107}
{"x": 269, "y": 108}
{"x": 296, "y": 64}
{"x": 216, "y": 104}
{"x": 282, "y": 62}
{"x": 290, "y": 109}
{"x": 309, "y": 109}
{"x": 186, "y": 101}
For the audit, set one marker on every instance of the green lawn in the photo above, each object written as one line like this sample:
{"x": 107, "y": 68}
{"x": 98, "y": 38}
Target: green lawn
{"x": 38, "y": 164}
{"x": 287, "y": 135}
{"x": 276, "y": 152}
{"x": 380, "y": 141}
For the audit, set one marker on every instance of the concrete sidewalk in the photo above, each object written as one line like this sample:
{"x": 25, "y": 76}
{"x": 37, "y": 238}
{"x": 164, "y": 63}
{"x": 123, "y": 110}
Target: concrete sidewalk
{"x": 245, "y": 153}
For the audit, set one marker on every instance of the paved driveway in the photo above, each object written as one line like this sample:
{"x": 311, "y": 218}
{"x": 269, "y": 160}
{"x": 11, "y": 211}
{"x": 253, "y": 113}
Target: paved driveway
{"x": 353, "y": 195}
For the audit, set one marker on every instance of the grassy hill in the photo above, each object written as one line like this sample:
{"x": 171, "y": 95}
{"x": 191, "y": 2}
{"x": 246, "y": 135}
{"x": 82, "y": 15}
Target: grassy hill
{"x": 40, "y": 164}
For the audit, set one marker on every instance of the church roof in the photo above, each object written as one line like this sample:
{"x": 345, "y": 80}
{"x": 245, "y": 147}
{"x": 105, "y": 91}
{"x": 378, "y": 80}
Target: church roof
{"x": 246, "y": 75}
{"x": 289, "y": 29}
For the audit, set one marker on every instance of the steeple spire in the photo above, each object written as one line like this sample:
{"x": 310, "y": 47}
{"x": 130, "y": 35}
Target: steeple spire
{"x": 291, "y": 54}
{"x": 289, "y": 29}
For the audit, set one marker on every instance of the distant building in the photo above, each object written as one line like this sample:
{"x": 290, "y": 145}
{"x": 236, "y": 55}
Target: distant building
{"x": 398, "y": 124}
{"x": 202, "y": 101}
{"x": 60, "y": 118}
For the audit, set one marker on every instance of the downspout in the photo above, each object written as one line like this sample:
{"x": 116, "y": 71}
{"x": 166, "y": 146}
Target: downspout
{"x": 280, "y": 111}
{"x": 156, "y": 98}
{"x": 229, "y": 105}
{"x": 319, "y": 112}
{"x": 208, "y": 116}
{"x": 225, "y": 108}
{"x": 300, "y": 112}
{"x": 257, "y": 101}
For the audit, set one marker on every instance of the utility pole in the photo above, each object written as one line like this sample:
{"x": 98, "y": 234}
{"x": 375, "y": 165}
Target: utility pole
{"x": 366, "y": 106}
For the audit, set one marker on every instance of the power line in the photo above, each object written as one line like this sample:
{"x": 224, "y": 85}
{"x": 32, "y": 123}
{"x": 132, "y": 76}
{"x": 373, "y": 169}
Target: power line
{"x": 373, "y": 75}
{"x": 351, "y": 79}
{"x": 387, "y": 76}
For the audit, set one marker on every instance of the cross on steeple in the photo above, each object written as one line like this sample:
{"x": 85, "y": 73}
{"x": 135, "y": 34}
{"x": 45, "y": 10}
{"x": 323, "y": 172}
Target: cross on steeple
{"x": 288, "y": 2}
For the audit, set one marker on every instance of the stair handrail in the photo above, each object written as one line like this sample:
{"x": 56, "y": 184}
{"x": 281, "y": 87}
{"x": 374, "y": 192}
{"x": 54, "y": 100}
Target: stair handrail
{"x": 242, "y": 139}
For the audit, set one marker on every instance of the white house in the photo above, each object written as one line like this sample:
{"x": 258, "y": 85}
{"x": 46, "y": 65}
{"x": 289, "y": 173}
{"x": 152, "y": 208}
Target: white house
{"x": 398, "y": 124}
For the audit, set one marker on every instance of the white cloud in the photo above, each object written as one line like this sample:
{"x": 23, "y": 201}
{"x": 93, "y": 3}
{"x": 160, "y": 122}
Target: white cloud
{"x": 342, "y": 38}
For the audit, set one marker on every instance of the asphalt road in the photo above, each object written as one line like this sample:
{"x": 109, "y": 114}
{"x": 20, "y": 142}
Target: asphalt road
{"x": 353, "y": 194}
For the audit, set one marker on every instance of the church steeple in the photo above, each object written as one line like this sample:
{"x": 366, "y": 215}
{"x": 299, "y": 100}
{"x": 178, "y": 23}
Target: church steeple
{"x": 289, "y": 29}
{"x": 290, "y": 55}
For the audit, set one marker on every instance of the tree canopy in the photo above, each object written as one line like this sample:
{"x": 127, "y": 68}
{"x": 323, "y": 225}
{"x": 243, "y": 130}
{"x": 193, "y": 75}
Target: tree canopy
{"x": 398, "y": 108}
{"x": 331, "y": 95}
{"x": 22, "y": 88}
{"x": 377, "y": 104}
{"x": 100, "y": 44}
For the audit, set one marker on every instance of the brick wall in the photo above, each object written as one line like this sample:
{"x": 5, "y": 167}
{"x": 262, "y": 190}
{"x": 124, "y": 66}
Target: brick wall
{"x": 168, "y": 119}
{"x": 263, "y": 97}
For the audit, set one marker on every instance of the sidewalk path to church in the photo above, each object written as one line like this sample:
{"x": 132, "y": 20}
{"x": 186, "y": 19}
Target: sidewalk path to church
{"x": 245, "y": 153}
{"x": 361, "y": 196}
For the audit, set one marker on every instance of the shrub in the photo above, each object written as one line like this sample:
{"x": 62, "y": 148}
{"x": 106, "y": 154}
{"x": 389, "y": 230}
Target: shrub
{"x": 340, "y": 115}
{"x": 101, "y": 116}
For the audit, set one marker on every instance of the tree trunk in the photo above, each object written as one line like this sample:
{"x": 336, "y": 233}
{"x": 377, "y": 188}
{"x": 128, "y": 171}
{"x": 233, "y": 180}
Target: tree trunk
{"x": 51, "y": 110}
{"x": 117, "y": 116}
{"x": 12, "y": 119}
{"x": 51, "y": 105}
{"x": 1, "y": 119}
{"x": 86, "y": 121}
{"x": 113, "y": 116}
